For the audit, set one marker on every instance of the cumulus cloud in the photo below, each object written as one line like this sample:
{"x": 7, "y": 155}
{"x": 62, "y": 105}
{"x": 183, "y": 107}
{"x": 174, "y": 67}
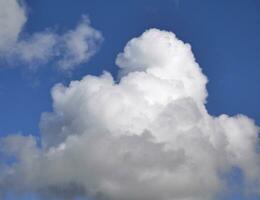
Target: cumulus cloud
{"x": 69, "y": 49}
{"x": 149, "y": 136}
{"x": 12, "y": 20}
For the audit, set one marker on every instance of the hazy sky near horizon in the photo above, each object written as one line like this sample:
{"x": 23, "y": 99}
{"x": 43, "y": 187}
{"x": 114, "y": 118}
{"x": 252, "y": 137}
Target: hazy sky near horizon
{"x": 45, "y": 43}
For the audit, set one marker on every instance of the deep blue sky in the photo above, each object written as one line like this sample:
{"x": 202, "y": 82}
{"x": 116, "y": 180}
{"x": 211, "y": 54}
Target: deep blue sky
{"x": 224, "y": 36}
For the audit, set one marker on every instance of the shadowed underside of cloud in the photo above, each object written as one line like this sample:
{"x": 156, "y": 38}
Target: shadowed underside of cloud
{"x": 147, "y": 137}
{"x": 67, "y": 50}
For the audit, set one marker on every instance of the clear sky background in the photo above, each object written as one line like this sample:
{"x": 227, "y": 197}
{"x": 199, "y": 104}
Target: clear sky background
{"x": 224, "y": 36}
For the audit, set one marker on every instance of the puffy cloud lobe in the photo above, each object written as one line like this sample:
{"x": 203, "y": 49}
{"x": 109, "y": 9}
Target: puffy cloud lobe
{"x": 12, "y": 20}
{"x": 147, "y": 137}
{"x": 158, "y": 54}
{"x": 69, "y": 49}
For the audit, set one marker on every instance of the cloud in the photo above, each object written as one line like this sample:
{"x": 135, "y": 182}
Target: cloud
{"x": 79, "y": 45}
{"x": 149, "y": 136}
{"x": 12, "y": 20}
{"x": 68, "y": 50}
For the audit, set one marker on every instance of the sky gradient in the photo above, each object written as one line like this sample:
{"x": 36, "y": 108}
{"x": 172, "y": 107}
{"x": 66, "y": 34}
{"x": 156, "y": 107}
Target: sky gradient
{"x": 224, "y": 38}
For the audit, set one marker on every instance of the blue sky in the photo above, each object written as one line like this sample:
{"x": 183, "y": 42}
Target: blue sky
{"x": 224, "y": 36}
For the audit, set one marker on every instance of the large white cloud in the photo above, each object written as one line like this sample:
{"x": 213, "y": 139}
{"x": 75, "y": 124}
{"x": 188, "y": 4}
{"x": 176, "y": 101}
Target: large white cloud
{"x": 149, "y": 136}
{"x": 69, "y": 49}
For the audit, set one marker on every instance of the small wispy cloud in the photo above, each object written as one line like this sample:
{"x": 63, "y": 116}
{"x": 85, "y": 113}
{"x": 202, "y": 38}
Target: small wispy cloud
{"x": 67, "y": 50}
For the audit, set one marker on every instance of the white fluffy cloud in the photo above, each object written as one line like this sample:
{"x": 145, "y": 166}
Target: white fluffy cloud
{"x": 68, "y": 50}
{"x": 149, "y": 136}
